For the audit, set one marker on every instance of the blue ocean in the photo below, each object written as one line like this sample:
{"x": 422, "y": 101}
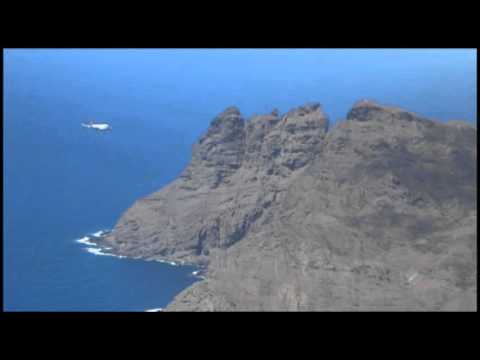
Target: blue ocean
{"x": 63, "y": 182}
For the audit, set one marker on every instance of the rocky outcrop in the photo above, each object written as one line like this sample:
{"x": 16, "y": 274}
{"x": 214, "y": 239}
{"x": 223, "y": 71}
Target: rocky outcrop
{"x": 377, "y": 213}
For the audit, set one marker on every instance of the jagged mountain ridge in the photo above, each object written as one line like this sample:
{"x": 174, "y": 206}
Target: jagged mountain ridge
{"x": 378, "y": 212}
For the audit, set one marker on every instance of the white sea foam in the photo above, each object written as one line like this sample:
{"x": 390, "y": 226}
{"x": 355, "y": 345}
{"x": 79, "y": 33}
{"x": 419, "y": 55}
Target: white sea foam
{"x": 197, "y": 273}
{"x": 173, "y": 263}
{"x": 100, "y": 252}
{"x": 93, "y": 248}
{"x": 97, "y": 251}
{"x": 154, "y": 310}
{"x": 85, "y": 241}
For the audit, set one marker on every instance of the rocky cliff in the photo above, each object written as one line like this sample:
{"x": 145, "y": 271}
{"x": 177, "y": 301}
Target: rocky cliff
{"x": 376, "y": 213}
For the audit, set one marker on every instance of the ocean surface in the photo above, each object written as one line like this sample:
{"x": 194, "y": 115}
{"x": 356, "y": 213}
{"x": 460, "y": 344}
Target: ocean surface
{"x": 63, "y": 182}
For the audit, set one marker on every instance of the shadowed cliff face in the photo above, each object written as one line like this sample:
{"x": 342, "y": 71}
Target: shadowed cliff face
{"x": 378, "y": 213}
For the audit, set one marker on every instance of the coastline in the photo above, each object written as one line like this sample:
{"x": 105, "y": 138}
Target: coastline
{"x": 93, "y": 244}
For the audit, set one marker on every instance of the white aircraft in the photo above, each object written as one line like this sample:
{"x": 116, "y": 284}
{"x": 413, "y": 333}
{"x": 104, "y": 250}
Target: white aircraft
{"x": 97, "y": 126}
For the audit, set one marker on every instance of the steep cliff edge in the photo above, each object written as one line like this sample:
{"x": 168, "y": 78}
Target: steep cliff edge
{"x": 377, "y": 213}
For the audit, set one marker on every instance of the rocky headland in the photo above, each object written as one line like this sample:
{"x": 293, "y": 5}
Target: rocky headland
{"x": 284, "y": 212}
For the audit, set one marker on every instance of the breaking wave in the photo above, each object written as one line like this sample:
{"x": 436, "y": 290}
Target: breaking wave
{"x": 93, "y": 248}
{"x": 100, "y": 252}
{"x": 154, "y": 310}
{"x": 85, "y": 241}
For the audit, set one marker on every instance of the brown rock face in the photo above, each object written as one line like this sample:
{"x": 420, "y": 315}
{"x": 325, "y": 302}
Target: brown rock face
{"x": 378, "y": 213}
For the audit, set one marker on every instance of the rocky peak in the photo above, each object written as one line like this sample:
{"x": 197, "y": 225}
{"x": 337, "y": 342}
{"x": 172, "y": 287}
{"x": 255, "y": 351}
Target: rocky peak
{"x": 368, "y": 110}
{"x": 230, "y": 113}
{"x": 230, "y": 110}
{"x": 226, "y": 124}
{"x": 308, "y": 116}
{"x": 220, "y": 151}
{"x": 308, "y": 108}
{"x": 279, "y": 146}
{"x": 304, "y": 129}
